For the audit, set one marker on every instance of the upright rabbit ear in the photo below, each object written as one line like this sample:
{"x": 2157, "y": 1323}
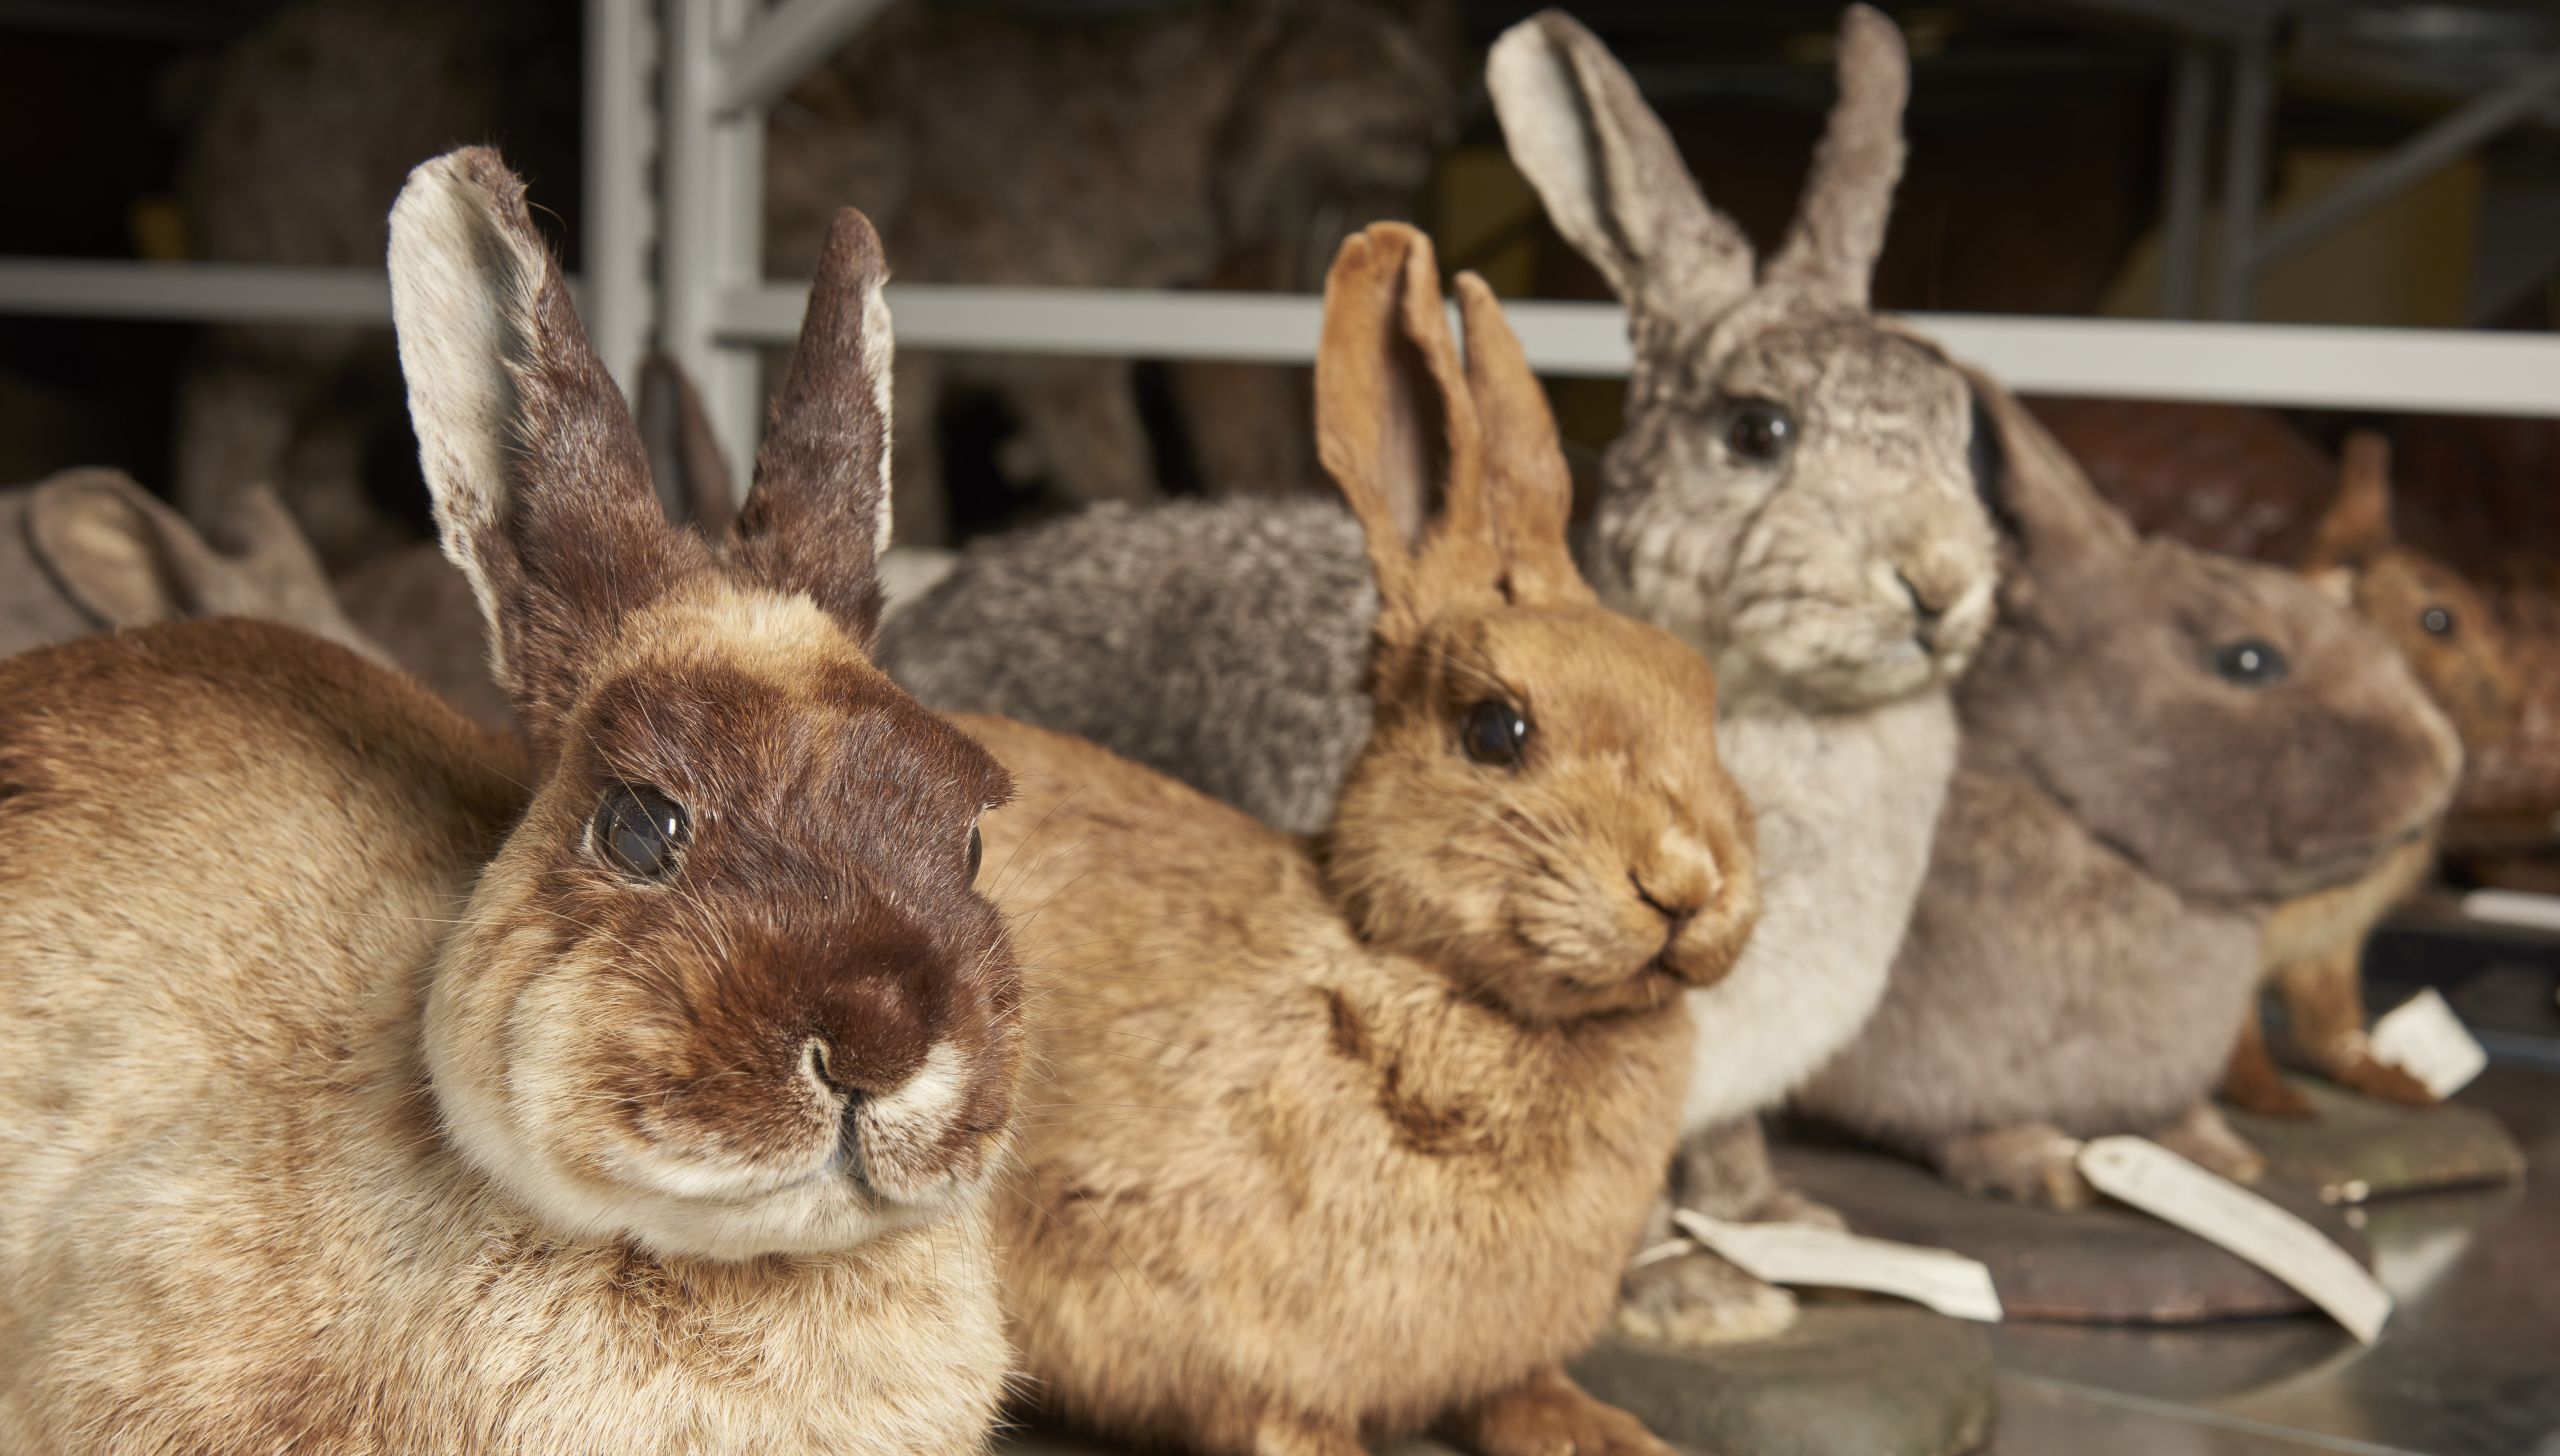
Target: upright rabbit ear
{"x": 817, "y": 518}
{"x": 2358, "y": 524}
{"x": 1393, "y": 417}
{"x": 1831, "y": 248}
{"x": 541, "y": 488}
{"x": 1610, "y": 177}
{"x": 685, "y": 464}
{"x": 1528, "y": 489}
{"x": 2053, "y": 517}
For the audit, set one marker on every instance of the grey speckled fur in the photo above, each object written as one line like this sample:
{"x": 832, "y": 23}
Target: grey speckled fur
{"x": 1224, "y": 645}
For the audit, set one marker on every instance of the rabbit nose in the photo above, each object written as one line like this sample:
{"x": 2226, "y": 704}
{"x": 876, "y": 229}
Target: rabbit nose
{"x": 1925, "y": 613}
{"x": 1678, "y": 916}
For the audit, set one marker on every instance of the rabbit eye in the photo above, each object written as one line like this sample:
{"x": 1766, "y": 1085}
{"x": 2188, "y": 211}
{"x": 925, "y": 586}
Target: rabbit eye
{"x": 2437, "y": 621}
{"x": 1495, "y": 733}
{"x": 1759, "y": 431}
{"x": 639, "y": 831}
{"x": 2249, "y": 662}
{"x": 977, "y": 851}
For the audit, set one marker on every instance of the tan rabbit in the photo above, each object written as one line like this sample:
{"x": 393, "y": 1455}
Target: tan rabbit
{"x": 2314, "y": 946}
{"x": 1346, "y": 1139}
{"x": 367, "y": 1086}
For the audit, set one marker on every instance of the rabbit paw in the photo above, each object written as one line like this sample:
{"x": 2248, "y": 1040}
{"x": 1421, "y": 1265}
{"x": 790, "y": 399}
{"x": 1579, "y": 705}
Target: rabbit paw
{"x": 1549, "y": 1415}
{"x": 2031, "y": 1163}
{"x": 1700, "y": 1299}
{"x": 1786, "y": 1205}
{"x": 2374, "y": 1077}
{"x": 2204, "y": 1139}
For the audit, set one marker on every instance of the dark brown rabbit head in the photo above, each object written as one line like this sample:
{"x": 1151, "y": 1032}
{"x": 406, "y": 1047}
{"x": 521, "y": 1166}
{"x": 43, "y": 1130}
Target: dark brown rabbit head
{"x": 1539, "y": 808}
{"x": 727, "y": 988}
{"x": 1799, "y": 487}
{"x": 2227, "y": 725}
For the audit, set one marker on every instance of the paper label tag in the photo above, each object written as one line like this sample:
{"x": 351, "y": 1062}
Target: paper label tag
{"x": 2169, "y": 1188}
{"x": 1796, "y": 1253}
{"x": 2425, "y": 1039}
{"x": 2514, "y": 907}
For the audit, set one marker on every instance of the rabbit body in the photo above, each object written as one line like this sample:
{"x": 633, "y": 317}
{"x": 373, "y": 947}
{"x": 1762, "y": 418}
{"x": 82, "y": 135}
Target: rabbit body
{"x": 373, "y": 1084}
{"x": 241, "y": 1099}
{"x": 1365, "y": 1197}
{"x": 2155, "y": 741}
{"x": 1352, "y": 1136}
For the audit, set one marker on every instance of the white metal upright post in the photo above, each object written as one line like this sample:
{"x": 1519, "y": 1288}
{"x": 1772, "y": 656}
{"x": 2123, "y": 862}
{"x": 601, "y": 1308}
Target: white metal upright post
{"x": 712, "y": 218}
{"x": 621, "y": 143}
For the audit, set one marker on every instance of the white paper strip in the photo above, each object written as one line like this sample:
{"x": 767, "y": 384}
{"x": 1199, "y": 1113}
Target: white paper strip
{"x": 1796, "y": 1253}
{"x": 2424, "y": 1038}
{"x": 2168, "y": 1187}
{"x": 2514, "y": 907}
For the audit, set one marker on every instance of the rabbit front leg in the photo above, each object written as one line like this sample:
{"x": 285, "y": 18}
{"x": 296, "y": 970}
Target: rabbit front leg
{"x": 1723, "y": 1171}
{"x": 2251, "y": 1081}
{"x": 2201, "y": 1137}
{"x": 1303, "y": 1436}
{"x": 2324, "y": 996}
{"x": 1695, "y": 1298}
{"x": 2028, "y": 1162}
{"x": 1548, "y": 1415}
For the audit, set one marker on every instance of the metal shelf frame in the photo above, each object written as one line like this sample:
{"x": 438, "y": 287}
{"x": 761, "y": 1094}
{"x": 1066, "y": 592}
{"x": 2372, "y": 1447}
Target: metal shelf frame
{"x": 676, "y": 94}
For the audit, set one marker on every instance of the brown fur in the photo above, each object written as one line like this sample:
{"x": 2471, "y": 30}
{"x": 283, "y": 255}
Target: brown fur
{"x": 1332, "y": 1146}
{"x": 353, "y": 1099}
{"x": 2314, "y": 946}
{"x": 2087, "y": 945}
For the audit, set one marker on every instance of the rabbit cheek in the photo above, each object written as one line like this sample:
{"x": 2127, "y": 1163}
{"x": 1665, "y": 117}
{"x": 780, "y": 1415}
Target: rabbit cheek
{"x": 913, "y": 1141}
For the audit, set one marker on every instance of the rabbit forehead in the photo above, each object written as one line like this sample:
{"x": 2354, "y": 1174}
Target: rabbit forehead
{"x": 1589, "y": 676}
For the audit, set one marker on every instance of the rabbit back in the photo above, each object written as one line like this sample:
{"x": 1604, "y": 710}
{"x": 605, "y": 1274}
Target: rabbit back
{"x": 1225, "y": 644}
{"x": 1252, "y": 1111}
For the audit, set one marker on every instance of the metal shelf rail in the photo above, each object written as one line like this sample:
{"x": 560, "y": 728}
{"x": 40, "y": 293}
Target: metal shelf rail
{"x": 716, "y": 64}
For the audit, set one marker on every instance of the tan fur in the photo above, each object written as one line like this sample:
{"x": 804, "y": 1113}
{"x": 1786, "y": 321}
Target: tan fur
{"x": 2314, "y": 946}
{"x": 1332, "y": 1145}
{"x": 361, "y": 1090}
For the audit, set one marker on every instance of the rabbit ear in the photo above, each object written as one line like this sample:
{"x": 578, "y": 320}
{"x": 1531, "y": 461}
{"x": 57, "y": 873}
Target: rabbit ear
{"x": 817, "y": 518}
{"x": 2358, "y": 524}
{"x": 685, "y": 464}
{"x": 2043, "y": 501}
{"x": 123, "y": 558}
{"x": 1610, "y": 177}
{"x": 541, "y": 488}
{"x": 1393, "y": 416}
{"x": 1831, "y": 247}
{"x": 1529, "y": 491}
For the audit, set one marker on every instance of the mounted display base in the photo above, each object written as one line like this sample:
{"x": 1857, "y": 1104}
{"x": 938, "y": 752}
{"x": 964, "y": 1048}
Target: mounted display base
{"x": 2102, "y": 1265}
{"x": 1853, "y": 1374}
{"x": 2360, "y": 1147}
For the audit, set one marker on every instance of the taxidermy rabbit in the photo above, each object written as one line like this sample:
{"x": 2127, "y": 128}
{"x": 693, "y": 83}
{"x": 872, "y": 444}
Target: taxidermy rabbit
{"x": 1797, "y": 495}
{"x": 1228, "y": 145}
{"x": 2315, "y": 945}
{"x": 2160, "y": 746}
{"x": 366, "y": 1085}
{"x": 1429, "y": 1067}
{"x": 88, "y": 550}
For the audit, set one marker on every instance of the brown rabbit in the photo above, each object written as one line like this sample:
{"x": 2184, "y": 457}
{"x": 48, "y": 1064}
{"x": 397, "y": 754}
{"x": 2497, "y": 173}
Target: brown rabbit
{"x": 368, "y": 1086}
{"x": 2315, "y": 945}
{"x": 1349, "y": 1138}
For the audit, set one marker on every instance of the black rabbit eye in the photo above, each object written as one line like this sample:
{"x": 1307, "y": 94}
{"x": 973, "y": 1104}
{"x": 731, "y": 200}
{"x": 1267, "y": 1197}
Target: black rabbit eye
{"x": 2437, "y": 621}
{"x": 639, "y": 831}
{"x": 977, "y": 851}
{"x": 1495, "y": 733}
{"x": 1757, "y": 430}
{"x": 2249, "y": 662}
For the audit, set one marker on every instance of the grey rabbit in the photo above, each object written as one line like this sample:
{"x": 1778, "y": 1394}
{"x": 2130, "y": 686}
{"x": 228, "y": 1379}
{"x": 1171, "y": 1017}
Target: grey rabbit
{"x": 1797, "y": 495}
{"x": 2160, "y": 745}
